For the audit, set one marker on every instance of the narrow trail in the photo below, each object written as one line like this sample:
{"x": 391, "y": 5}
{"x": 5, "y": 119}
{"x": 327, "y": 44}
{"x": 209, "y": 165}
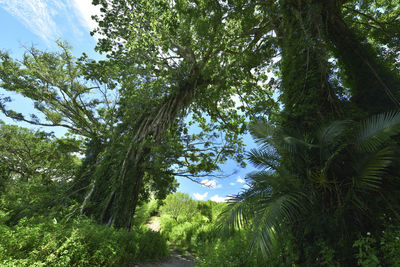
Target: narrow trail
{"x": 176, "y": 260}
{"x": 154, "y": 224}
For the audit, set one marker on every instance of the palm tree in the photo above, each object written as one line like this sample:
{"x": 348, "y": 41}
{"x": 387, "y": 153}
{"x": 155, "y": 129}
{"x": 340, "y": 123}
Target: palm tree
{"x": 328, "y": 186}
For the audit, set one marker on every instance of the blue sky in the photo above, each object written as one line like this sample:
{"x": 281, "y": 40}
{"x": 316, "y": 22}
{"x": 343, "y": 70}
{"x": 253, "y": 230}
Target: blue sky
{"x": 40, "y": 23}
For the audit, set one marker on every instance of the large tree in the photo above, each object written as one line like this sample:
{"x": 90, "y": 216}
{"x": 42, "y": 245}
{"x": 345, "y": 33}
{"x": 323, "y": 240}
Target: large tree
{"x": 175, "y": 57}
{"x": 186, "y": 56}
{"x": 64, "y": 92}
{"x": 197, "y": 61}
{"x": 328, "y": 185}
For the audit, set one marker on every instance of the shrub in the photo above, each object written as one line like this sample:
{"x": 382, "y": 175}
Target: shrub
{"x": 187, "y": 233}
{"x": 179, "y": 204}
{"x": 144, "y": 212}
{"x": 230, "y": 252}
{"x": 46, "y": 242}
{"x": 200, "y": 234}
{"x": 379, "y": 250}
{"x": 367, "y": 254}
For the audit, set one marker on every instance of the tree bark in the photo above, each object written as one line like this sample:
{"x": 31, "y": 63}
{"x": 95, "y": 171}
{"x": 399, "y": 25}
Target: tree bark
{"x": 309, "y": 98}
{"x": 122, "y": 198}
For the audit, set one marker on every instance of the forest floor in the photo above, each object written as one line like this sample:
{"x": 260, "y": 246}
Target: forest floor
{"x": 176, "y": 260}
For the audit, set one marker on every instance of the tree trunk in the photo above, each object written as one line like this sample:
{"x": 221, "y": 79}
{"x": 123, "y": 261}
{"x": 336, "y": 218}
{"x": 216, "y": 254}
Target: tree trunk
{"x": 122, "y": 191}
{"x": 374, "y": 87}
{"x": 85, "y": 173}
{"x": 308, "y": 97}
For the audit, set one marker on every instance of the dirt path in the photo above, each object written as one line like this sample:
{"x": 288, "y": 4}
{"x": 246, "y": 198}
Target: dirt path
{"x": 154, "y": 224}
{"x": 176, "y": 260}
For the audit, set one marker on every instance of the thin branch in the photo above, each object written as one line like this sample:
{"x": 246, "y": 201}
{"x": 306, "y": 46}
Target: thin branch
{"x": 22, "y": 118}
{"x": 380, "y": 24}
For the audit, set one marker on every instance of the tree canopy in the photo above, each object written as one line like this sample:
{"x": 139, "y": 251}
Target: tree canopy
{"x": 317, "y": 80}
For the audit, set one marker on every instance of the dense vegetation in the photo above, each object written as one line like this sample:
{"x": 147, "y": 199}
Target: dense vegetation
{"x": 315, "y": 82}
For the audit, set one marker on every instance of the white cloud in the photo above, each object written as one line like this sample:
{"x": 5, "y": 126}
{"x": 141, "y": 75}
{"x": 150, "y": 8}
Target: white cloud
{"x": 240, "y": 180}
{"x": 50, "y": 19}
{"x": 84, "y": 11}
{"x": 199, "y": 196}
{"x": 36, "y": 15}
{"x": 246, "y": 186}
{"x": 40, "y": 16}
{"x": 210, "y": 183}
{"x": 232, "y": 184}
{"x": 217, "y": 198}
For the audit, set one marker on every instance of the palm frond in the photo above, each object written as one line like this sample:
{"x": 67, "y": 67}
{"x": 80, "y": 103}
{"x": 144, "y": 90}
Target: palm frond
{"x": 329, "y": 135}
{"x": 264, "y": 182}
{"x": 267, "y": 240}
{"x": 377, "y": 130}
{"x": 370, "y": 175}
{"x": 346, "y": 160}
{"x": 262, "y": 133}
{"x": 320, "y": 180}
{"x": 272, "y": 200}
{"x": 357, "y": 201}
{"x": 293, "y": 144}
{"x": 235, "y": 215}
{"x": 267, "y": 136}
{"x": 284, "y": 208}
{"x": 263, "y": 158}
{"x": 330, "y": 158}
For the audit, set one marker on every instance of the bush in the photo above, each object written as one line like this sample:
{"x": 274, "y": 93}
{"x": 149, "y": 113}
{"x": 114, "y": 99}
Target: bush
{"x": 205, "y": 233}
{"x": 199, "y": 233}
{"x": 144, "y": 212}
{"x": 46, "y": 242}
{"x": 381, "y": 250}
{"x": 230, "y": 252}
{"x": 187, "y": 233}
{"x": 179, "y": 205}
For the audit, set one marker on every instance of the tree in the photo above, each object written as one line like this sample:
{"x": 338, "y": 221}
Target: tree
{"x": 369, "y": 76}
{"x": 346, "y": 192}
{"x": 169, "y": 59}
{"x": 66, "y": 92}
{"x": 61, "y": 90}
{"x": 179, "y": 204}
{"x": 36, "y": 171}
{"x": 195, "y": 60}
{"x": 36, "y": 156}
{"x": 334, "y": 66}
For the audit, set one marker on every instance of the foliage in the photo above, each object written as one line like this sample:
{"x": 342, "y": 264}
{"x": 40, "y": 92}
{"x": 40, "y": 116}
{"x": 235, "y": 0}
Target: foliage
{"x": 199, "y": 232}
{"x": 44, "y": 241}
{"x": 381, "y": 249}
{"x": 324, "y": 181}
{"x": 196, "y": 60}
{"x": 145, "y": 211}
{"x": 179, "y": 205}
{"x": 37, "y": 156}
{"x": 38, "y": 221}
{"x": 184, "y": 224}
{"x": 231, "y": 252}
{"x": 30, "y": 200}
{"x": 367, "y": 254}
{"x": 390, "y": 246}
{"x": 344, "y": 184}
{"x": 56, "y": 83}
{"x": 371, "y": 76}
{"x": 63, "y": 92}
{"x": 37, "y": 171}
